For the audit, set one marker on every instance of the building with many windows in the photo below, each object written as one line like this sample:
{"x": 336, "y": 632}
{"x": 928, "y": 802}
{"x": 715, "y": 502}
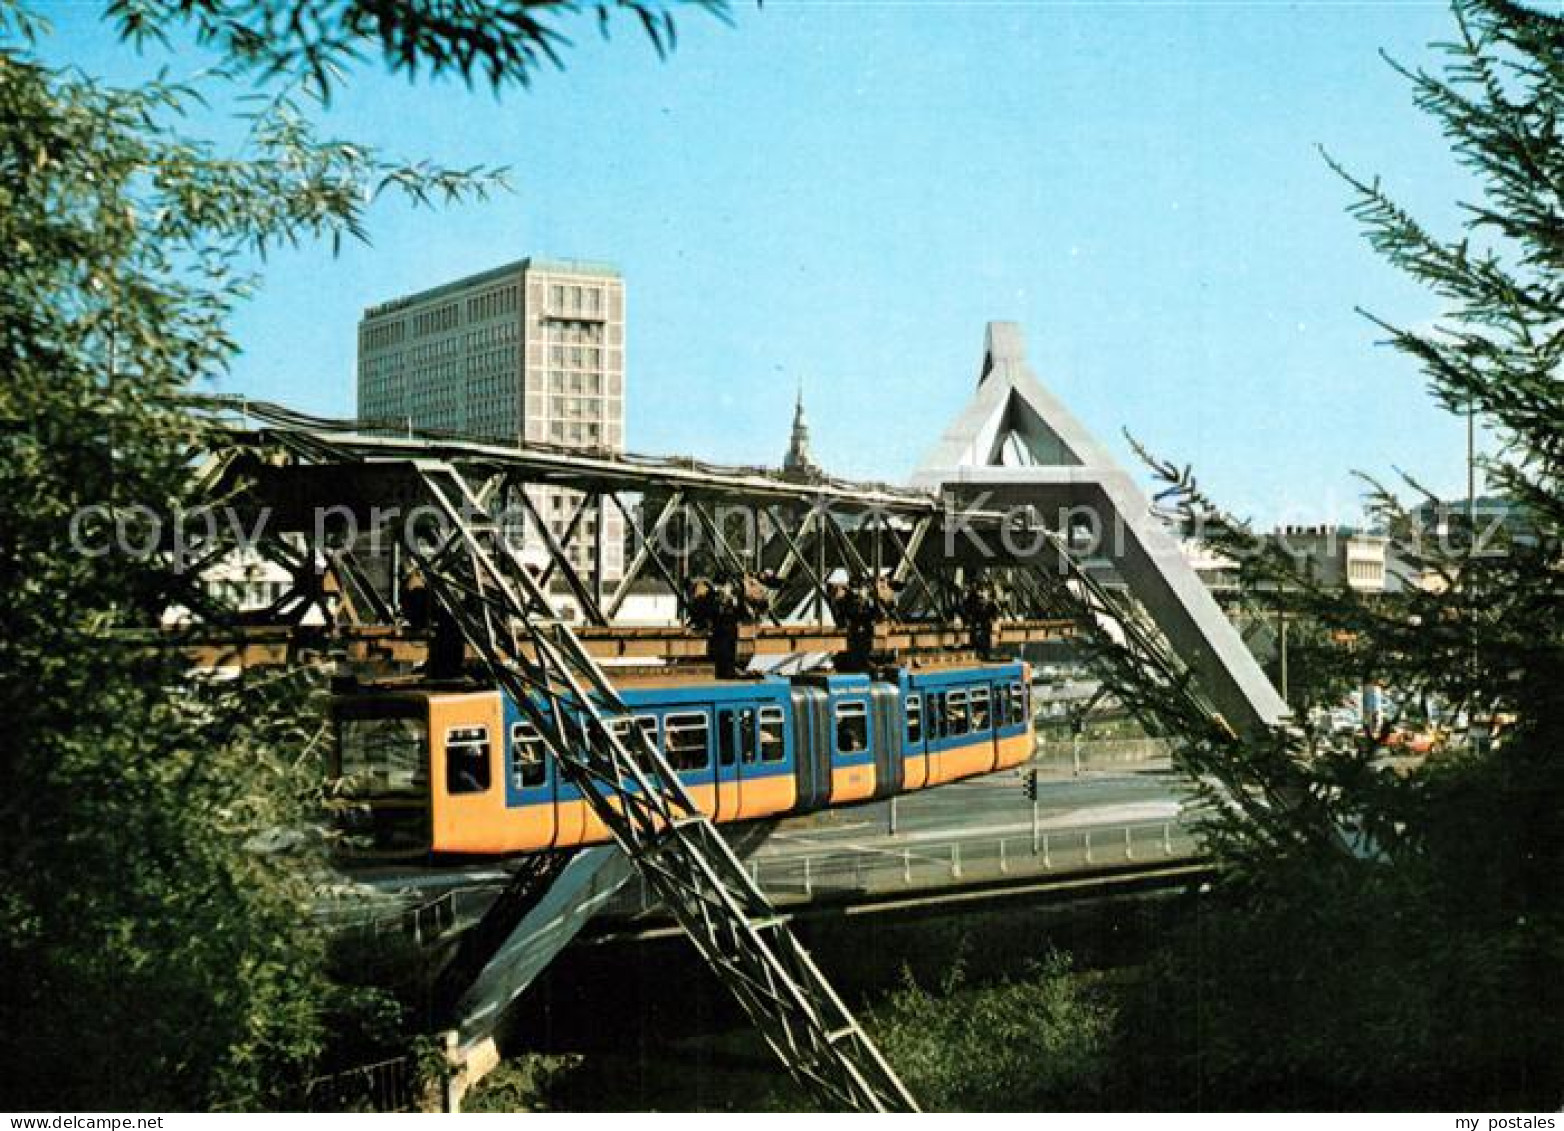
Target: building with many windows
{"x": 1339, "y": 555}
{"x": 528, "y": 353}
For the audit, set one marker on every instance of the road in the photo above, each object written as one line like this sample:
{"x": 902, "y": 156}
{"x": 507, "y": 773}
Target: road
{"x": 957, "y": 842}
{"x": 948, "y": 836}
{"x": 988, "y": 807}
{"x": 972, "y": 835}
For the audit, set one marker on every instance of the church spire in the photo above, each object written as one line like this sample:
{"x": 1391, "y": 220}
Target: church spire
{"x": 798, "y": 460}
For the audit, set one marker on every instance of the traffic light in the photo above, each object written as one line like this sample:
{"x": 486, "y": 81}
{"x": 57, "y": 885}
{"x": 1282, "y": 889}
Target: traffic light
{"x": 1029, "y": 783}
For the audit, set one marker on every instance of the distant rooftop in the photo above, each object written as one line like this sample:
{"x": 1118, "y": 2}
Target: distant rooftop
{"x": 1328, "y": 531}
{"x": 1481, "y": 502}
{"x": 534, "y": 263}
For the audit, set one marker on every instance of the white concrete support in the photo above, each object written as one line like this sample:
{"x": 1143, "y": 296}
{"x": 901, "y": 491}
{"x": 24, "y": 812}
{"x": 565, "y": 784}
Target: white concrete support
{"x": 1016, "y": 445}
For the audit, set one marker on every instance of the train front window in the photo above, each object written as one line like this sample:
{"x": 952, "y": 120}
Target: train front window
{"x": 687, "y": 741}
{"x": 956, "y": 713}
{"x": 466, "y": 760}
{"x": 527, "y": 768}
{"x": 914, "y": 719}
{"x": 772, "y": 747}
{"x": 852, "y": 726}
{"x": 382, "y": 755}
{"x": 980, "y": 714}
{"x": 1017, "y": 703}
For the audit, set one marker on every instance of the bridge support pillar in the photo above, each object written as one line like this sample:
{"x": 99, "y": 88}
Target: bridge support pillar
{"x": 465, "y": 1066}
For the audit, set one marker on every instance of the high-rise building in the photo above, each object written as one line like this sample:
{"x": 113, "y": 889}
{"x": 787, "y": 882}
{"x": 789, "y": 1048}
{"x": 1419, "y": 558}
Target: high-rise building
{"x": 530, "y": 353}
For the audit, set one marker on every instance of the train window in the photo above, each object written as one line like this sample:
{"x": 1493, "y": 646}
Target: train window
{"x": 772, "y": 747}
{"x": 914, "y": 718}
{"x": 467, "y": 759}
{"x": 526, "y": 756}
{"x": 852, "y": 726}
{"x": 381, "y": 754}
{"x": 1017, "y": 703}
{"x": 624, "y": 730}
{"x": 687, "y": 738}
{"x": 956, "y": 713}
{"x": 936, "y": 703}
{"x": 981, "y": 720}
{"x": 726, "y": 751}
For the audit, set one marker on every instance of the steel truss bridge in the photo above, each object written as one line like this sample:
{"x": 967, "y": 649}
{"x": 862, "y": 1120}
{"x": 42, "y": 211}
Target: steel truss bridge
{"x": 753, "y": 563}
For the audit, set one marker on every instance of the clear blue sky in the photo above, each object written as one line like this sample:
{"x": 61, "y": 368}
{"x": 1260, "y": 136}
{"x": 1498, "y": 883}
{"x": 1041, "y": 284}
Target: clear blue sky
{"x": 846, "y": 192}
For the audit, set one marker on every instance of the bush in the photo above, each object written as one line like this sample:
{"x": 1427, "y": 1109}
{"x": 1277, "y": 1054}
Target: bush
{"x": 1036, "y": 1041}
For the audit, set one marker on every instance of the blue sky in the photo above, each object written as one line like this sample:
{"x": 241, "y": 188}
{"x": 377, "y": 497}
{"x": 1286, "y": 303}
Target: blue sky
{"x": 844, "y": 193}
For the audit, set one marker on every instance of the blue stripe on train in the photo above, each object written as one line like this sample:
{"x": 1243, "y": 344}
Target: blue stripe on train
{"x": 660, "y": 702}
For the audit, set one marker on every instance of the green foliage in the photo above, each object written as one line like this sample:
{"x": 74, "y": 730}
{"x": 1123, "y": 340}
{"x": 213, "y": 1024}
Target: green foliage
{"x": 505, "y": 42}
{"x": 1363, "y": 991}
{"x": 1031, "y": 1043}
{"x": 524, "y": 1082}
{"x": 1417, "y": 969}
{"x": 154, "y": 927}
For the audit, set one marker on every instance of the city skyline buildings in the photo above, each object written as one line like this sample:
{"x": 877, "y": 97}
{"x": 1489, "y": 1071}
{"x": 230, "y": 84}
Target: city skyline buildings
{"x": 1155, "y": 210}
{"x": 528, "y": 352}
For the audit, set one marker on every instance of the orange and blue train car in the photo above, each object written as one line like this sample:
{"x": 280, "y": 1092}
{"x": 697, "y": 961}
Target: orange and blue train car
{"x": 461, "y": 771}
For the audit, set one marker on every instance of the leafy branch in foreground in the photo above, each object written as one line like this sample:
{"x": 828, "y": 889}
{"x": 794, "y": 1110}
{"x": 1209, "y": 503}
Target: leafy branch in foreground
{"x": 1423, "y": 970}
{"x": 504, "y": 42}
{"x": 155, "y": 931}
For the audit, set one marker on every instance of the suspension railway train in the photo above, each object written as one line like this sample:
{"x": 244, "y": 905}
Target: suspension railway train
{"x": 460, "y": 771}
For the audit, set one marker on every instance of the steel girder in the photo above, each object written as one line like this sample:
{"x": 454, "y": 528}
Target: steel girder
{"x": 675, "y": 847}
{"x": 928, "y": 553}
{"x": 802, "y": 534}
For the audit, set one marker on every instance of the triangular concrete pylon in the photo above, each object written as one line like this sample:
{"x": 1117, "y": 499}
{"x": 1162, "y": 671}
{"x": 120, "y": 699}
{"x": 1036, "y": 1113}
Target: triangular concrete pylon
{"x": 1012, "y": 420}
{"x": 1015, "y": 444}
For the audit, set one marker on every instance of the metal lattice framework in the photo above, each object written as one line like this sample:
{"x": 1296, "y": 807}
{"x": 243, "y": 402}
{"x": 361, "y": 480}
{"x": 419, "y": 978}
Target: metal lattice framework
{"x": 891, "y": 553}
{"x": 893, "y": 570}
{"x": 632, "y": 789}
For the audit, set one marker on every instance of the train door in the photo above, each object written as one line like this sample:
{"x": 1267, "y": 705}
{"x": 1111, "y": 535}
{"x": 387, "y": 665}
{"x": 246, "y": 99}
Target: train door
{"x": 916, "y": 772}
{"x": 981, "y": 704}
{"x": 852, "y": 762}
{"x": 735, "y": 752}
{"x": 770, "y": 785}
{"x": 530, "y": 782}
{"x": 1011, "y": 725}
{"x": 936, "y": 725}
